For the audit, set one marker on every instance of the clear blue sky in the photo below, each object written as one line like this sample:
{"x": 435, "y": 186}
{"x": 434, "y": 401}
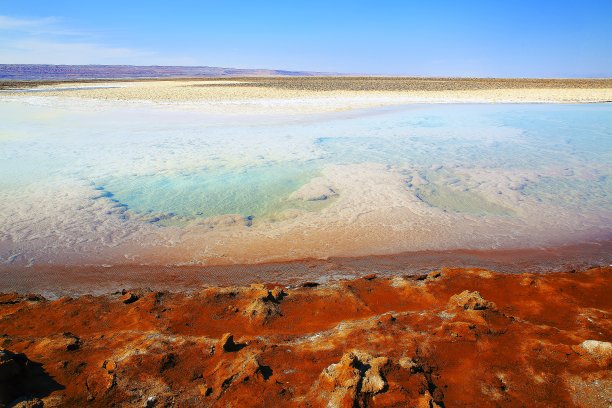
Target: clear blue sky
{"x": 464, "y": 38}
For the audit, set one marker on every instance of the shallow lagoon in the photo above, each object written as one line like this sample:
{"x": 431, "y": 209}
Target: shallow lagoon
{"x": 75, "y": 179}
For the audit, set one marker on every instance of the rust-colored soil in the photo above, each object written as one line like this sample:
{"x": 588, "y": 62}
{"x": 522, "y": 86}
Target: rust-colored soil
{"x": 452, "y": 338}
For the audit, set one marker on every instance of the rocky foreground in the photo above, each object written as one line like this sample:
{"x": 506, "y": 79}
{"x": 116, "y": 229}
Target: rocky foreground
{"x": 449, "y": 339}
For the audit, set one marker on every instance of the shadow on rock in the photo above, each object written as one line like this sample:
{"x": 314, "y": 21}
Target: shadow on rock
{"x": 22, "y": 379}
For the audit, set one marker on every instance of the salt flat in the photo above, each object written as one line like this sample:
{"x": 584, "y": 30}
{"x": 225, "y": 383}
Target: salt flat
{"x": 322, "y": 94}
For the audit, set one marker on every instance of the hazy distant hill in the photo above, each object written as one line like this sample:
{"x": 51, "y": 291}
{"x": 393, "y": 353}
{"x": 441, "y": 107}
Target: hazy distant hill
{"x": 59, "y": 72}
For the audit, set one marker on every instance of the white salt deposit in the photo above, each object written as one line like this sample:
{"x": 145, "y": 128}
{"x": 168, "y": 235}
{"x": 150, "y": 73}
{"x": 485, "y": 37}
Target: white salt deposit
{"x": 90, "y": 181}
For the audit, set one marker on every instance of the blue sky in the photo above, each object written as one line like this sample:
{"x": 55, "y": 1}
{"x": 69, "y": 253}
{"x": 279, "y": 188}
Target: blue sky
{"x": 463, "y": 38}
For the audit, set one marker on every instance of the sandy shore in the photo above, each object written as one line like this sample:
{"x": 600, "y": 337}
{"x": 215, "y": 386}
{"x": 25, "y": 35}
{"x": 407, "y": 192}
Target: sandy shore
{"x": 319, "y": 94}
{"x": 64, "y": 280}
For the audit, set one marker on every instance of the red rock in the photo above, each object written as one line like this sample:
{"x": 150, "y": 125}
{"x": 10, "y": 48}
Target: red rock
{"x": 129, "y": 297}
{"x": 353, "y": 381}
{"x": 598, "y": 351}
{"x": 470, "y": 301}
{"x": 227, "y": 345}
{"x": 109, "y": 365}
{"x": 266, "y": 306}
{"x": 415, "y": 343}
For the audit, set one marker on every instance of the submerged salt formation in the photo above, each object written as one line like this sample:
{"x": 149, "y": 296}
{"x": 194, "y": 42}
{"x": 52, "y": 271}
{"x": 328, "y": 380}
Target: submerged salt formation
{"x": 84, "y": 181}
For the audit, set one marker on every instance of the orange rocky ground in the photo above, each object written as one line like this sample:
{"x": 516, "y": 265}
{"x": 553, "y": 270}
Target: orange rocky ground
{"x": 452, "y": 338}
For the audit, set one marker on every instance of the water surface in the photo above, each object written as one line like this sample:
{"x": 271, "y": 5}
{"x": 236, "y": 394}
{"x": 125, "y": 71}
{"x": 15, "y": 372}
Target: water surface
{"x": 76, "y": 181}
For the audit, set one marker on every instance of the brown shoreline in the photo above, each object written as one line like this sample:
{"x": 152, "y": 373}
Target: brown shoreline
{"x": 60, "y": 280}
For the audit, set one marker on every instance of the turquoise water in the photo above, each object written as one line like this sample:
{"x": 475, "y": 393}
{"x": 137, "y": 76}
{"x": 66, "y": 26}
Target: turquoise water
{"x": 186, "y": 165}
{"x": 250, "y": 191}
{"x": 116, "y": 168}
{"x": 190, "y": 166}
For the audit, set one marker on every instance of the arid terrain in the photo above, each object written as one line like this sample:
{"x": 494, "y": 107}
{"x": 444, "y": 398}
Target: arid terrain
{"x": 334, "y": 296}
{"x": 451, "y": 338}
{"x": 321, "y": 204}
{"x": 318, "y": 94}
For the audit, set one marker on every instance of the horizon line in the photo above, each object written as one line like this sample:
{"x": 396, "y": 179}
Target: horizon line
{"x": 279, "y": 71}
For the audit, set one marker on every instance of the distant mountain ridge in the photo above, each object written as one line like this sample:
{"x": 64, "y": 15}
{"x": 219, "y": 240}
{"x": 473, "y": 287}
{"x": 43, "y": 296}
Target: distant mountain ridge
{"x": 39, "y": 72}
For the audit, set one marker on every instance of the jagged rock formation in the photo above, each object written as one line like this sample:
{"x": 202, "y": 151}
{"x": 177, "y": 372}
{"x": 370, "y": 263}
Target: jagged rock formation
{"x": 357, "y": 377}
{"x": 266, "y": 304}
{"x": 470, "y": 301}
{"x": 450, "y": 338}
